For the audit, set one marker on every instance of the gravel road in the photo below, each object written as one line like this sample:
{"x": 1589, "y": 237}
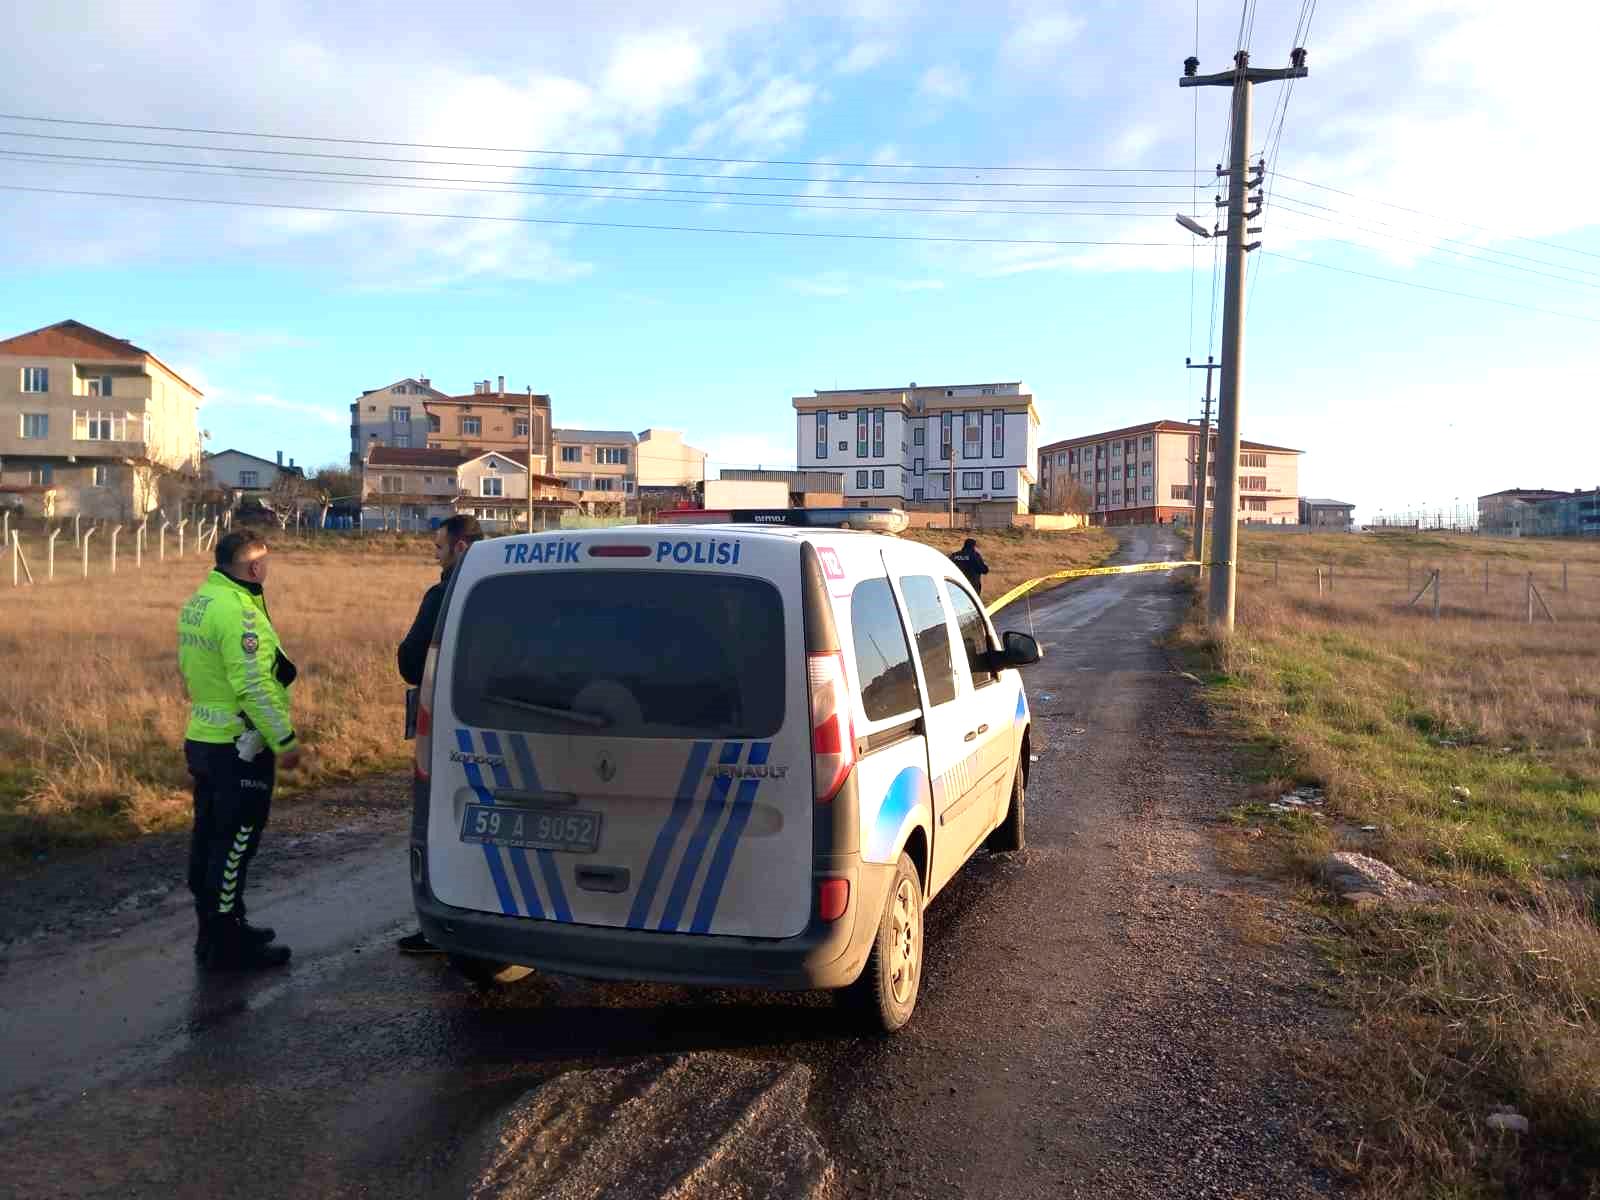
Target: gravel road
{"x": 1102, "y": 1014}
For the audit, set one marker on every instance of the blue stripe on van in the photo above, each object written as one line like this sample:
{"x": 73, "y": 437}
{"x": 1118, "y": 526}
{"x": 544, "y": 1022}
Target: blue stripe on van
{"x": 518, "y": 856}
{"x": 695, "y": 850}
{"x": 491, "y": 855}
{"x": 688, "y": 786}
{"x": 717, "y": 873}
{"x": 547, "y": 859}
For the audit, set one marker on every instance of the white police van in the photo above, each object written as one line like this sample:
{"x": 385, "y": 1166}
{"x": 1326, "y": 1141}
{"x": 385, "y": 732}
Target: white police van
{"x": 736, "y": 753}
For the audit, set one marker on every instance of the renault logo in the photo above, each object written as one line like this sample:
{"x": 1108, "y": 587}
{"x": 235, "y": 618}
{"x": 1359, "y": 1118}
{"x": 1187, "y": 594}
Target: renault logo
{"x": 605, "y": 767}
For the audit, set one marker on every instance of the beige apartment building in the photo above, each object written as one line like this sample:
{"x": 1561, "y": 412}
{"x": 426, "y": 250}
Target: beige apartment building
{"x": 91, "y": 424}
{"x": 601, "y": 465}
{"x": 411, "y": 414}
{"x": 1147, "y": 474}
{"x": 665, "y": 460}
{"x": 415, "y": 488}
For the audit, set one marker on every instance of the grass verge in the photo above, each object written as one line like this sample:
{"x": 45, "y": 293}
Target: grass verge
{"x": 1466, "y": 753}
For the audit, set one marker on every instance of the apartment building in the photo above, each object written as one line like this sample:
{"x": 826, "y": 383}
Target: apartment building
{"x": 601, "y": 465}
{"x": 91, "y": 424}
{"x": 1511, "y": 513}
{"x": 413, "y": 414}
{"x": 1332, "y": 515}
{"x": 665, "y": 460}
{"x": 1146, "y": 474}
{"x": 900, "y": 446}
{"x": 416, "y": 488}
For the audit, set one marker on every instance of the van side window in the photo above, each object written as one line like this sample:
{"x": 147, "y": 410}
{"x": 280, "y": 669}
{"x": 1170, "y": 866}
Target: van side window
{"x": 883, "y": 657}
{"x": 974, "y": 633}
{"x": 933, "y": 637}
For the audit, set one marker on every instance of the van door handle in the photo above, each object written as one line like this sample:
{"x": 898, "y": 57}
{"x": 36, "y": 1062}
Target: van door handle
{"x": 972, "y": 736}
{"x": 983, "y": 729}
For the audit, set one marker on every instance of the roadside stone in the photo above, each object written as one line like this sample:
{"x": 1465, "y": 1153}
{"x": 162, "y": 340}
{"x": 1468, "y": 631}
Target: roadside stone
{"x": 1190, "y": 676}
{"x": 1461, "y": 793}
{"x": 1511, "y": 1122}
{"x": 1351, "y": 874}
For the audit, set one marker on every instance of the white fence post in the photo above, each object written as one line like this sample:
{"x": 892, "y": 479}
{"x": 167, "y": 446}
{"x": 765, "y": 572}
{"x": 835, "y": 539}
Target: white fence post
{"x": 138, "y": 543}
{"x": 115, "y": 533}
{"x": 77, "y": 529}
{"x": 16, "y": 553}
{"x": 6, "y": 537}
{"x": 85, "y": 545}
{"x": 54, "y": 534}
{"x": 181, "y": 524}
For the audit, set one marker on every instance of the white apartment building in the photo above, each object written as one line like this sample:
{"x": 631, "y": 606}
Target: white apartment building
{"x": 899, "y": 446}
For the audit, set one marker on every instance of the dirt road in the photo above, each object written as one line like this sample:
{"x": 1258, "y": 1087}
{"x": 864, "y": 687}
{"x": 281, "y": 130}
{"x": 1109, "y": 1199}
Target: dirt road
{"x": 1093, "y": 1021}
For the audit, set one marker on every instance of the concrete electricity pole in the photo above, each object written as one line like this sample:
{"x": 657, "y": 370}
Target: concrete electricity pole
{"x": 1200, "y": 469}
{"x": 1225, "y": 532}
{"x": 530, "y": 456}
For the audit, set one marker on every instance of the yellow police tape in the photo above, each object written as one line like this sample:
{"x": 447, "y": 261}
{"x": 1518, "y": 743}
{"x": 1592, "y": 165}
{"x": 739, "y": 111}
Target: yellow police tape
{"x": 1081, "y": 572}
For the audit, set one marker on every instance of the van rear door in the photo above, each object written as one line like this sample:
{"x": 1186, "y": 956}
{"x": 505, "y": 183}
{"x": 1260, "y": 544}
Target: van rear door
{"x": 621, "y": 733}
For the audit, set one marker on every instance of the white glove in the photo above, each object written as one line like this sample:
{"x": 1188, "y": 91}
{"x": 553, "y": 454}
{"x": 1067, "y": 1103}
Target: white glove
{"x": 249, "y": 744}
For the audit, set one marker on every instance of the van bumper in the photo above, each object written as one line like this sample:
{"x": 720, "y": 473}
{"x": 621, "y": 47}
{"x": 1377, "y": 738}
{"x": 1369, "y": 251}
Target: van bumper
{"x": 827, "y": 954}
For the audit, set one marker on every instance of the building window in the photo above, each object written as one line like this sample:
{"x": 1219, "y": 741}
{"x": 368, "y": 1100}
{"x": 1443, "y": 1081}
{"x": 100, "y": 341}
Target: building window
{"x": 1180, "y": 491}
{"x": 861, "y": 479}
{"x": 877, "y": 433}
{"x": 1144, "y": 442}
{"x": 997, "y": 481}
{"x": 100, "y": 426}
{"x": 400, "y": 389}
{"x": 916, "y": 494}
{"x": 36, "y": 379}
{"x": 997, "y": 419}
{"x": 845, "y": 446}
{"x": 822, "y": 435}
{"x": 877, "y": 479}
{"x": 249, "y": 479}
{"x": 35, "y": 425}
{"x": 604, "y": 483}
{"x": 433, "y": 423}
{"x": 400, "y": 416}
{"x": 946, "y": 436}
{"x": 572, "y": 454}
{"x": 100, "y": 476}
{"x": 843, "y": 416}
{"x": 971, "y": 435}
{"x": 97, "y": 385}
{"x": 403, "y": 440}
{"x": 1259, "y": 461}
{"x": 392, "y": 483}
{"x": 41, "y": 476}
{"x": 1253, "y": 505}
{"x": 1147, "y": 492}
{"x": 616, "y": 456}
{"x": 471, "y": 426}
{"x": 918, "y": 435}
{"x": 1253, "y": 483}
{"x": 972, "y": 481}
{"x": 918, "y": 466}
{"x": 861, "y": 433}
{"x": 492, "y": 485}
{"x": 1145, "y": 470}
{"x": 519, "y": 427}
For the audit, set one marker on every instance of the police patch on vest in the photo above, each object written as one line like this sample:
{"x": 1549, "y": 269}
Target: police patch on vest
{"x": 249, "y": 642}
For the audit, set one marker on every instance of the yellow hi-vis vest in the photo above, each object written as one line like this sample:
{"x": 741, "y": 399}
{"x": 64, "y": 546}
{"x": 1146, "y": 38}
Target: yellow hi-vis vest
{"x": 227, "y": 649}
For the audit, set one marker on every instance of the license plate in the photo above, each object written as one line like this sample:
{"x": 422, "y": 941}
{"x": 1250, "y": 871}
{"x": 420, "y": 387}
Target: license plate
{"x": 531, "y": 828}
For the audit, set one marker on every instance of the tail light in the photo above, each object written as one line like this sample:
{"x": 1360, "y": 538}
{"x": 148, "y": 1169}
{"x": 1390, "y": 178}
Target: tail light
{"x": 833, "y": 897}
{"x": 833, "y": 739}
{"x": 424, "y": 763}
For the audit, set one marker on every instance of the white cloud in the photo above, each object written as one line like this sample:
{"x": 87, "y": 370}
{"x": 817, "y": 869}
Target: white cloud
{"x": 825, "y": 284}
{"x": 943, "y": 83}
{"x": 1040, "y": 40}
{"x": 864, "y": 56}
{"x": 918, "y": 285}
{"x": 650, "y": 72}
{"x": 774, "y": 114}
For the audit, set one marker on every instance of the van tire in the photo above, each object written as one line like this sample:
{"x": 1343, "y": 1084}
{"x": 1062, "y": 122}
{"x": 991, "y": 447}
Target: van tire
{"x": 1009, "y": 834}
{"x": 485, "y": 972}
{"x": 885, "y": 993}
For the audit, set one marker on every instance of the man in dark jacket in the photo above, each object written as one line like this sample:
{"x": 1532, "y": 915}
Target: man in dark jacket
{"x": 450, "y": 543}
{"x": 971, "y": 564}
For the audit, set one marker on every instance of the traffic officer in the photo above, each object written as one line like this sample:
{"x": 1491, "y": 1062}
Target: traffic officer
{"x": 451, "y": 541}
{"x": 971, "y": 564}
{"x": 239, "y": 734}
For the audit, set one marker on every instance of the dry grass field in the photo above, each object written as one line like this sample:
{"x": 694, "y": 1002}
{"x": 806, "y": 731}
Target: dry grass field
{"x": 1491, "y": 997}
{"x": 92, "y": 708}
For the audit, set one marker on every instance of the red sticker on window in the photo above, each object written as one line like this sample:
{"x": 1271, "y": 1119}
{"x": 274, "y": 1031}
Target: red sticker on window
{"x": 830, "y": 563}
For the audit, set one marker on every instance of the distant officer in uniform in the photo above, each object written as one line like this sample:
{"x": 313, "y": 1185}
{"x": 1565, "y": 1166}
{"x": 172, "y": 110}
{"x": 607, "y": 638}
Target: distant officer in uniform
{"x": 971, "y": 564}
{"x": 239, "y": 733}
{"x": 451, "y": 542}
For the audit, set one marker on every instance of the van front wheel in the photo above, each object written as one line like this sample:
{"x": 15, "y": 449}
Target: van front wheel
{"x": 485, "y": 972}
{"x": 1008, "y": 835}
{"x": 886, "y": 991}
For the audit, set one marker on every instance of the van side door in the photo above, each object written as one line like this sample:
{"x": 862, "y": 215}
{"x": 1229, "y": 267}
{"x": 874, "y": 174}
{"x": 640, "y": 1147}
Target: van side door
{"x": 992, "y": 708}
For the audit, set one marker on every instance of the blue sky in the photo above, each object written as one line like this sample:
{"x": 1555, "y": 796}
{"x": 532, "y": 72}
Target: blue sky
{"x": 1398, "y": 395}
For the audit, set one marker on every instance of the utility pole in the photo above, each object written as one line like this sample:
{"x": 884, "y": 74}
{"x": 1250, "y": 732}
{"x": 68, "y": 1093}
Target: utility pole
{"x": 530, "y": 458}
{"x": 1200, "y": 468}
{"x": 1225, "y": 533}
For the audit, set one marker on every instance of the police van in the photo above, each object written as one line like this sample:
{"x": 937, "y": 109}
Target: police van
{"x": 743, "y": 752}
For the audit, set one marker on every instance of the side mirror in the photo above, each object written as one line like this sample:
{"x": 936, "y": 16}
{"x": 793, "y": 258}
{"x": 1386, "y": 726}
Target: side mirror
{"x": 1018, "y": 650}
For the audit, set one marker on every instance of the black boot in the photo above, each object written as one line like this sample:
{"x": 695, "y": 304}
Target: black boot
{"x": 229, "y": 948}
{"x": 258, "y": 934}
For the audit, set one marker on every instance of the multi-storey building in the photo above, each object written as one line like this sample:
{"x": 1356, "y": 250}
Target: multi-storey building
{"x": 1147, "y": 474}
{"x": 901, "y": 446}
{"x": 666, "y": 461}
{"x": 1327, "y": 514}
{"x": 416, "y": 488}
{"x": 1512, "y": 512}
{"x": 413, "y": 414}
{"x": 91, "y": 424}
{"x": 601, "y": 465}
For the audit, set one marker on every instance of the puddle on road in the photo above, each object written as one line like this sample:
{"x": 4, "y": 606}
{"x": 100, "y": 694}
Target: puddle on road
{"x": 689, "y": 1127}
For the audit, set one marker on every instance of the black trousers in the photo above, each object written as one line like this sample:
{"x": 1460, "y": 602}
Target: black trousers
{"x": 231, "y": 801}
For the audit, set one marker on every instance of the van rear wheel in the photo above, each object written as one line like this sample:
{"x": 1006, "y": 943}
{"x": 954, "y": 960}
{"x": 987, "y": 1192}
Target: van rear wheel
{"x": 485, "y": 972}
{"x": 1008, "y": 835}
{"x": 886, "y": 992}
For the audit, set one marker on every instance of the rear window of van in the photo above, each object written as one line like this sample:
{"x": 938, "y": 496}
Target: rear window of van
{"x": 622, "y": 654}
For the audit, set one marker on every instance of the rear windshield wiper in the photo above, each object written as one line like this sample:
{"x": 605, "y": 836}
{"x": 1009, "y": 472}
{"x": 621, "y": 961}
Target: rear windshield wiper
{"x": 576, "y": 715}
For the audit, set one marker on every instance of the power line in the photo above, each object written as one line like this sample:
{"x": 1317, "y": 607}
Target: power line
{"x": 1435, "y": 217}
{"x": 511, "y": 187}
{"x": 1549, "y": 312}
{"x": 1302, "y": 32}
{"x": 520, "y": 220}
{"x": 760, "y": 162}
{"x": 636, "y": 171}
